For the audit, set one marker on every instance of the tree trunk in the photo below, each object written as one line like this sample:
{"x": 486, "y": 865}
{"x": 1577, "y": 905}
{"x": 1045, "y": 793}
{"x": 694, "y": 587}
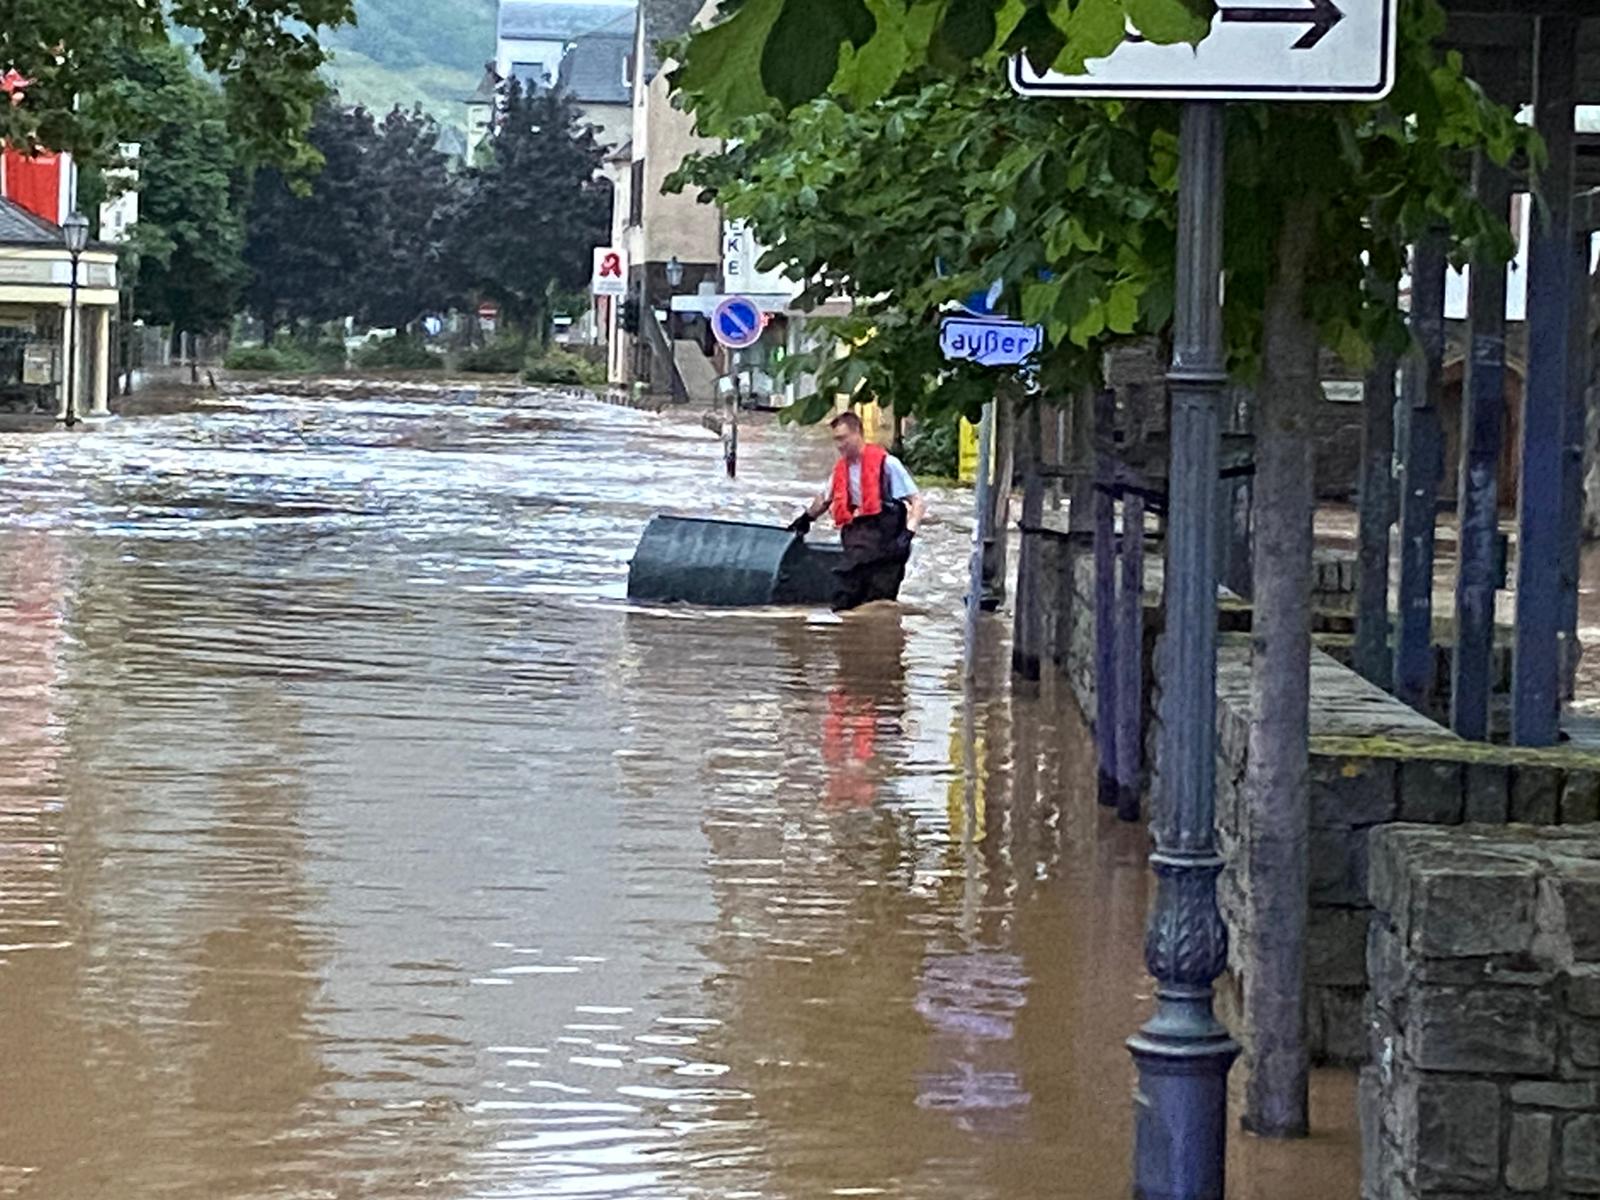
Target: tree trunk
{"x": 1276, "y": 867}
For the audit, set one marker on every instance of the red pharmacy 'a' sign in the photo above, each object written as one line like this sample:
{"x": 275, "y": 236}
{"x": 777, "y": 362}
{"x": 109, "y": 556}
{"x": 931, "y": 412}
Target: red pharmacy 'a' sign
{"x": 610, "y": 272}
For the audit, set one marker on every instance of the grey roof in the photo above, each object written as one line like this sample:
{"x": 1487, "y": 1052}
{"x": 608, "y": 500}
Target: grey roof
{"x": 555, "y": 20}
{"x": 488, "y": 86}
{"x": 595, "y": 69}
{"x": 663, "y": 21}
{"x": 625, "y": 24}
{"x": 451, "y": 142}
{"x": 19, "y": 227}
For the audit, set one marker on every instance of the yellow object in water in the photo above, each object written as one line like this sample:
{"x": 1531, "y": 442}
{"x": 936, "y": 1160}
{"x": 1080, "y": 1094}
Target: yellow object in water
{"x": 872, "y": 421}
{"x": 967, "y": 472}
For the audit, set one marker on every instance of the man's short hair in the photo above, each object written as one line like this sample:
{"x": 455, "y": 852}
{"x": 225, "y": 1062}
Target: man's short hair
{"x": 847, "y": 420}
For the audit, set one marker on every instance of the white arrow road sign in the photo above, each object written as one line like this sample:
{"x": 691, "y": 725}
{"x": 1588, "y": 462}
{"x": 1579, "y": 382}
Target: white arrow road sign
{"x": 1257, "y": 50}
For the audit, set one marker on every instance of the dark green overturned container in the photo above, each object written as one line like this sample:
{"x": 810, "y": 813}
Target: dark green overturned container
{"x": 730, "y": 564}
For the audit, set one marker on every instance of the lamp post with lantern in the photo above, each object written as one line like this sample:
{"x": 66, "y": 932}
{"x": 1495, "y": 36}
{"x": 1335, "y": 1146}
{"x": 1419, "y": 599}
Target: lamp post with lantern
{"x": 75, "y": 233}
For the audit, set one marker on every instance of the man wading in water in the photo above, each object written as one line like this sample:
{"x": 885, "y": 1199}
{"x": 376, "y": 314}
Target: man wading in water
{"x": 876, "y": 505}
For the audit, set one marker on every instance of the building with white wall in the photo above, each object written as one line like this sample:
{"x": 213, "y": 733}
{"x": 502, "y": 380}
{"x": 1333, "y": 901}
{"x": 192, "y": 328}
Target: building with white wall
{"x": 40, "y": 335}
{"x": 533, "y": 35}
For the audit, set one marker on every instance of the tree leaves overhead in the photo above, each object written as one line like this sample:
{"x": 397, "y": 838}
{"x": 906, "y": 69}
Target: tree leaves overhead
{"x": 821, "y": 27}
{"x": 1072, "y": 207}
{"x": 530, "y": 217}
{"x": 184, "y": 258}
{"x": 863, "y": 48}
{"x": 967, "y": 31}
{"x": 267, "y": 56}
{"x": 307, "y": 245}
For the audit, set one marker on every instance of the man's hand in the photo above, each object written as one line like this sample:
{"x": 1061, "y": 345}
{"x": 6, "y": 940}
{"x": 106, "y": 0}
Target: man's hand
{"x": 801, "y": 524}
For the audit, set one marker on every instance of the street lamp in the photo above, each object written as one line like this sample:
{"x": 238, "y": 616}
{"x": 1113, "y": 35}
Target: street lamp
{"x": 674, "y": 273}
{"x": 75, "y": 233}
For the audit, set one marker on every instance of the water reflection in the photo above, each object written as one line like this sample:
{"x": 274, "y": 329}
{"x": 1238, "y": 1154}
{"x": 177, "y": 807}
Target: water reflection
{"x": 361, "y": 841}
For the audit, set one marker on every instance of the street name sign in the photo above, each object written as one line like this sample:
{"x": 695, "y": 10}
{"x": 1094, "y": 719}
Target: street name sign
{"x": 737, "y": 323}
{"x": 989, "y": 342}
{"x": 610, "y": 272}
{"x": 1257, "y": 50}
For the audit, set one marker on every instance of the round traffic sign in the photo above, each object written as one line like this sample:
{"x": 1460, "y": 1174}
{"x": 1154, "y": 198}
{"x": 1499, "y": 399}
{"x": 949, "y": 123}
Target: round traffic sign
{"x": 737, "y": 323}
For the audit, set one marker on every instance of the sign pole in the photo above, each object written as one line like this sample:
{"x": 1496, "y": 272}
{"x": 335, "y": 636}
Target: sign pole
{"x": 1184, "y": 1053}
{"x": 982, "y": 500}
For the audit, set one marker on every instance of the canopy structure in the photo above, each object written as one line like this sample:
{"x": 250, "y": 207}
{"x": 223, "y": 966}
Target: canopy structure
{"x": 1542, "y": 57}
{"x": 42, "y": 333}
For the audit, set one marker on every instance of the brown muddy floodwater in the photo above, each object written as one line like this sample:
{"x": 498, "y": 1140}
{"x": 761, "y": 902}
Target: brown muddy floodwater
{"x": 358, "y": 840}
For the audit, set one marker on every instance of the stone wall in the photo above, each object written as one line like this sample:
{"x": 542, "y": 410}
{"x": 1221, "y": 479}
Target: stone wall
{"x": 1374, "y": 761}
{"x": 1371, "y": 764}
{"x": 1485, "y": 962}
{"x": 1076, "y": 643}
{"x": 1437, "y": 703}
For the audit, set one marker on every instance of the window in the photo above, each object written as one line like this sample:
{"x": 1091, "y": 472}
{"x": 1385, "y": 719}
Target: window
{"x": 636, "y": 194}
{"x": 531, "y": 77}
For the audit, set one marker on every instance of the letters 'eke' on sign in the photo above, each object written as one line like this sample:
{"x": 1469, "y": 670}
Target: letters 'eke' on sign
{"x": 737, "y": 323}
{"x": 1257, "y": 50}
{"x": 989, "y": 343}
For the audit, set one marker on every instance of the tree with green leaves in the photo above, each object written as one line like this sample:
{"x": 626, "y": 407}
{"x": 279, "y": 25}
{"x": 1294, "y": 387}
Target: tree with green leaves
{"x": 185, "y": 255}
{"x": 404, "y": 273}
{"x": 877, "y": 138}
{"x": 308, "y": 243}
{"x": 67, "y": 59}
{"x": 532, "y": 214}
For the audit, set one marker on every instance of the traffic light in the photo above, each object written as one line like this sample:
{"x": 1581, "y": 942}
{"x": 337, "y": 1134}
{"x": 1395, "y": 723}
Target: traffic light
{"x": 628, "y": 315}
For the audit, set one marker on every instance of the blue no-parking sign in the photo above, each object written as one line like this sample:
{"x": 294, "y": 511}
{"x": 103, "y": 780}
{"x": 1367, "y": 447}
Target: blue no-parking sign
{"x": 737, "y": 323}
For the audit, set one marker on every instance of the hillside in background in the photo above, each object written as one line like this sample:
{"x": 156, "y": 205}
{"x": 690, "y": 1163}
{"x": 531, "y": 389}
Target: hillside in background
{"x": 405, "y": 52}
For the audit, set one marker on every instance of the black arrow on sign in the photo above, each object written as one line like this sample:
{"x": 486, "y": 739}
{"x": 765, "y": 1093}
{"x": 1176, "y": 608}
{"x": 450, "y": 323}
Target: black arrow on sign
{"x": 1322, "y": 16}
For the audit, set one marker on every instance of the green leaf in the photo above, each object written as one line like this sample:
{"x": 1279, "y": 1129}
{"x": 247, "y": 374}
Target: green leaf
{"x": 801, "y": 54}
{"x": 1008, "y": 17}
{"x": 1089, "y": 326}
{"x": 922, "y": 20}
{"x": 968, "y": 29}
{"x": 1168, "y": 21}
{"x": 722, "y": 66}
{"x": 1093, "y": 30}
{"x": 1037, "y": 36}
{"x": 867, "y": 73}
{"x": 1122, "y": 309}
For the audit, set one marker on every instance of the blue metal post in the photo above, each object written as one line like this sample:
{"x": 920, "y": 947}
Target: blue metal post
{"x": 1421, "y": 466}
{"x": 1105, "y": 601}
{"x": 1130, "y": 659}
{"x": 1372, "y": 655}
{"x": 1483, "y": 415}
{"x": 1184, "y": 1053}
{"x": 1574, "y": 437}
{"x": 1536, "y": 687}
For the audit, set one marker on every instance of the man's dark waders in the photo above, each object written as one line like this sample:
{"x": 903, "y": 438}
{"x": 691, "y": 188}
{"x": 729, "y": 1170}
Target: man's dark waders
{"x": 874, "y": 561}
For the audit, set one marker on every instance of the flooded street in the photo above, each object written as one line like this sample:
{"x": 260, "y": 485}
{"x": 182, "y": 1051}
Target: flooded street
{"x": 357, "y": 839}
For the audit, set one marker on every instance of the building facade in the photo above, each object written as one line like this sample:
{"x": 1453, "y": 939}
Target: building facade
{"x": 44, "y": 341}
{"x": 533, "y": 35}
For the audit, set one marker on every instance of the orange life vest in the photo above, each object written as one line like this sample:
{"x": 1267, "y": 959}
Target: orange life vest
{"x": 872, "y": 459}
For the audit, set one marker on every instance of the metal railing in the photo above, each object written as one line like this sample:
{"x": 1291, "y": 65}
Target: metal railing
{"x": 662, "y": 358}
